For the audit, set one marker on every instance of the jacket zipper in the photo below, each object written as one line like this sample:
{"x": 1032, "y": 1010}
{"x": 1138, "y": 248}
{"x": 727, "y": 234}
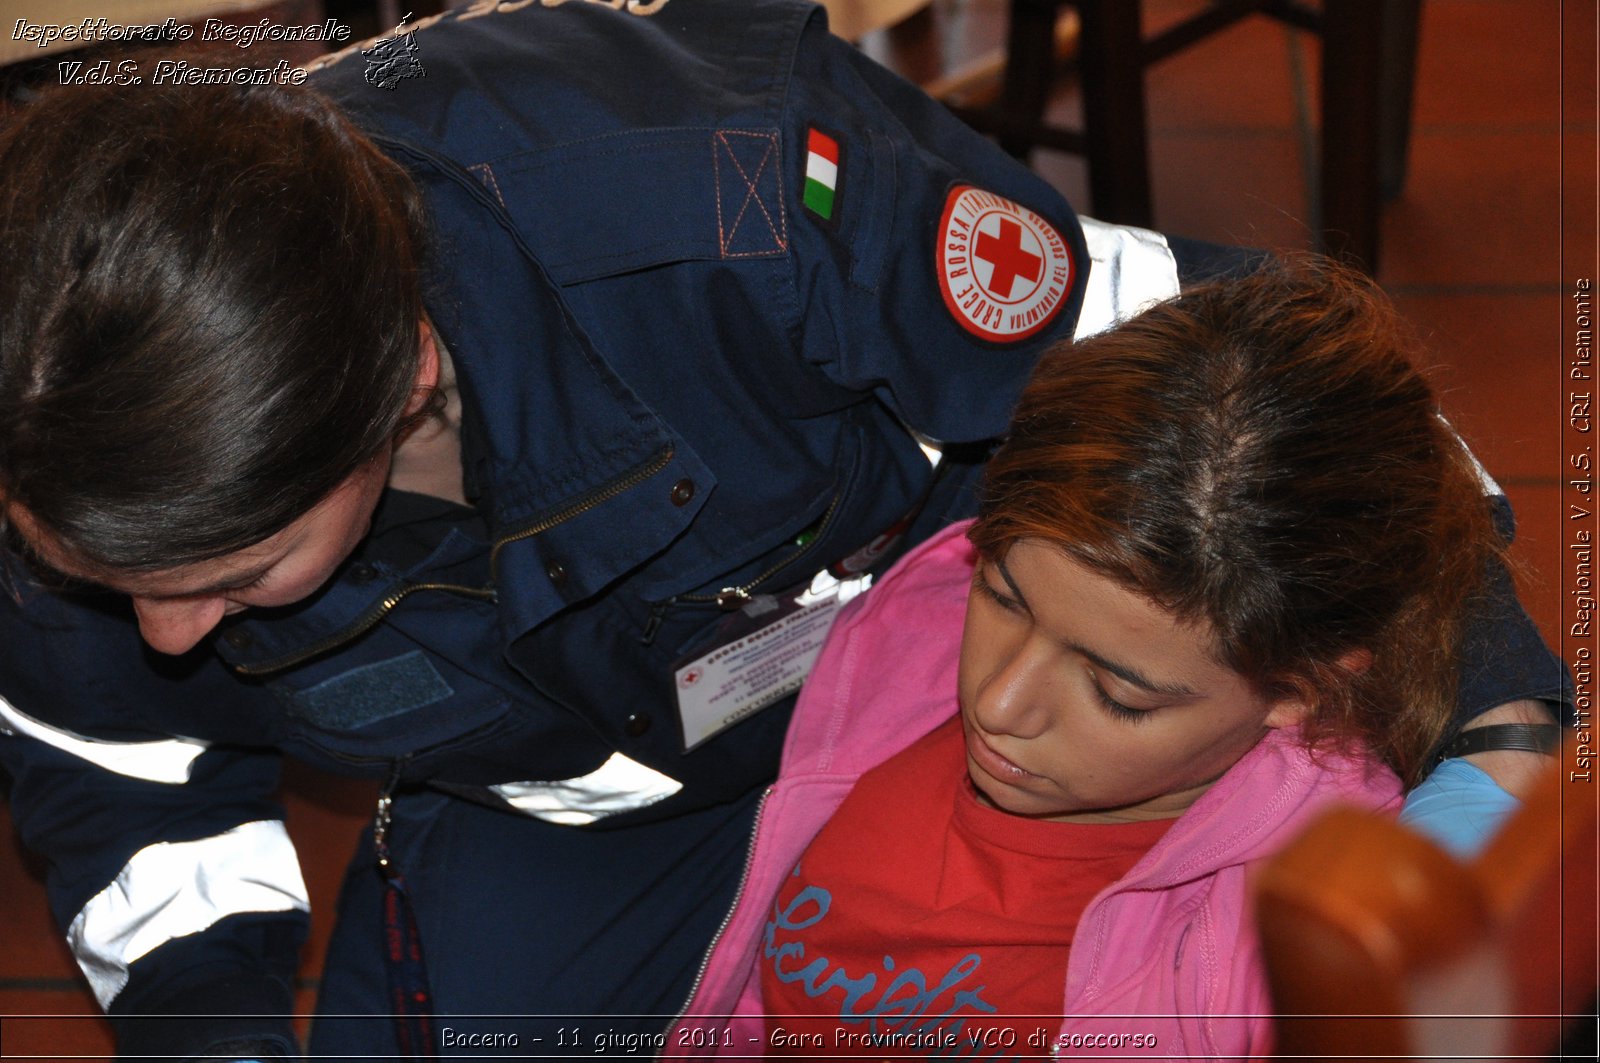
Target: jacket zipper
{"x": 360, "y": 626}
{"x": 730, "y": 598}
{"x": 380, "y": 609}
{"x": 601, "y": 494}
{"x": 722, "y": 927}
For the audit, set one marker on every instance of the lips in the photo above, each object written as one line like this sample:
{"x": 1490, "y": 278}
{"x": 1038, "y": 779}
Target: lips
{"x": 985, "y": 756}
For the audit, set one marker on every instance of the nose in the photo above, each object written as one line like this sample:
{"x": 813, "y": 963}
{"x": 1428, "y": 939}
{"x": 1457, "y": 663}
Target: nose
{"x": 1015, "y": 698}
{"x": 177, "y": 625}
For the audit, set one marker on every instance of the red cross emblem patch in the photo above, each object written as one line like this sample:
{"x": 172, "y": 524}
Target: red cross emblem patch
{"x": 1003, "y": 270}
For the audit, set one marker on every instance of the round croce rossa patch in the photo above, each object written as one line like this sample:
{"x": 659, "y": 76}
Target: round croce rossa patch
{"x": 1003, "y": 270}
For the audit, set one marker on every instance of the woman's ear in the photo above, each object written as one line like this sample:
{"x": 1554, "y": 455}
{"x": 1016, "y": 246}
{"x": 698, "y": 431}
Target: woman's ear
{"x": 1355, "y": 662}
{"x": 1287, "y": 712}
{"x": 427, "y": 369}
{"x": 1301, "y": 699}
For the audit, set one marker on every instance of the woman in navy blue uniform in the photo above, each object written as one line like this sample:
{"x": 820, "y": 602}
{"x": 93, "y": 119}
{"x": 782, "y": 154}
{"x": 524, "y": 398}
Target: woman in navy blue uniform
{"x": 507, "y": 430}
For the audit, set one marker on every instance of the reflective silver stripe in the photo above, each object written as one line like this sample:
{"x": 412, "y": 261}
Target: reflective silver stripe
{"x": 932, "y": 449}
{"x": 167, "y": 760}
{"x": 172, "y": 889}
{"x": 1130, "y": 270}
{"x": 1487, "y": 482}
{"x": 618, "y": 785}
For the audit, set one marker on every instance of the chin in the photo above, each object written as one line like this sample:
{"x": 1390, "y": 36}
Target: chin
{"x": 1007, "y": 799}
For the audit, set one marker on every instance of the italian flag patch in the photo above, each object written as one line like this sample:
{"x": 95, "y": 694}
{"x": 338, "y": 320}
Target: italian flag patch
{"x": 821, "y": 191}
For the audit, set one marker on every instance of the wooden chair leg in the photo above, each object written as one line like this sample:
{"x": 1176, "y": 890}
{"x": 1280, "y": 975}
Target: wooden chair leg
{"x": 1368, "y": 59}
{"x": 1110, "y": 57}
{"x": 1401, "y": 26}
{"x": 1368, "y": 64}
{"x": 1030, "y": 70}
{"x": 1351, "y": 105}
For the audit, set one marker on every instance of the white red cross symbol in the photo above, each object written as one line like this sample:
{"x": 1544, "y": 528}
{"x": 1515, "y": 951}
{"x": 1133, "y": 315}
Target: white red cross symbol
{"x": 1004, "y": 271}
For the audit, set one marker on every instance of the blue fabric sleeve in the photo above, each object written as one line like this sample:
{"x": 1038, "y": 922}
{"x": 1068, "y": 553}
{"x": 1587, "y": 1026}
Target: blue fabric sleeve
{"x": 867, "y": 283}
{"x": 226, "y": 994}
{"x": 1459, "y": 806}
{"x": 230, "y": 983}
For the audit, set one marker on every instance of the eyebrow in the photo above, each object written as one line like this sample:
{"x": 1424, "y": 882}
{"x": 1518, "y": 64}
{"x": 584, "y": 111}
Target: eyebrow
{"x": 44, "y": 571}
{"x": 228, "y": 583}
{"x": 1121, "y": 671}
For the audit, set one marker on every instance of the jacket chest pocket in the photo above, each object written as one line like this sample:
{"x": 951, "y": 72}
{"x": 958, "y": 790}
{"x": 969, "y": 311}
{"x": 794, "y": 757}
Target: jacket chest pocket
{"x": 392, "y": 695}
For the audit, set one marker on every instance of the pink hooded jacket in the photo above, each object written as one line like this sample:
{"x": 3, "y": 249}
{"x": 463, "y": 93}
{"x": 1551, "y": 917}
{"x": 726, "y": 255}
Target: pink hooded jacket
{"x": 1168, "y": 951}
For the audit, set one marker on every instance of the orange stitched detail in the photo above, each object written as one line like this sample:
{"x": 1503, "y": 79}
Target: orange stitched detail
{"x": 486, "y": 175}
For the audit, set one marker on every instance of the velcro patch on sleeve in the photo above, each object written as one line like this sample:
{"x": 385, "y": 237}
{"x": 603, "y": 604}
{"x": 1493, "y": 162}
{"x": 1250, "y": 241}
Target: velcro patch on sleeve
{"x": 1004, "y": 271}
{"x": 370, "y": 692}
{"x": 750, "y": 218}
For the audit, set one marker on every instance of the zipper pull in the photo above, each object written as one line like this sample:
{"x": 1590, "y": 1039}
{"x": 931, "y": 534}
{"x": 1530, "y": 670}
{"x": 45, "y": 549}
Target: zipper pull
{"x": 731, "y": 598}
{"x": 653, "y": 625}
{"x": 381, "y": 821}
{"x": 405, "y": 968}
{"x": 380, "y": 836}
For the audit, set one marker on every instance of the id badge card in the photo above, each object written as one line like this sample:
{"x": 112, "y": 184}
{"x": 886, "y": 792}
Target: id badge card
{"x": 762, "y": 653}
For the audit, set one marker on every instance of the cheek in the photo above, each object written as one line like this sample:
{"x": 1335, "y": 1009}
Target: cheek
{"x": 1241, "y": 739}
{"x": 1200, "y": 753}
{"x": 966, "y": 676}
{"x": 298, "y": 576}
{"x": 317, "y": 569}
{"x": 969, "y": 664}
{"x": 328, "y": 550}
{"x": 351, "y": 523}
{"x": 1113, "y": 752}
{"x": 988, "y": 644}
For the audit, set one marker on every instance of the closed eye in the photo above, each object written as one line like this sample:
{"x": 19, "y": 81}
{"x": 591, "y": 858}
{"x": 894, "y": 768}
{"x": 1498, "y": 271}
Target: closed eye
{"x": 1116, "y": 708}
{"x": 982, "y": 585}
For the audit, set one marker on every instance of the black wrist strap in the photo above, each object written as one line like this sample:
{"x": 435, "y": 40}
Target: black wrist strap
{"x": 1529, "y": 737}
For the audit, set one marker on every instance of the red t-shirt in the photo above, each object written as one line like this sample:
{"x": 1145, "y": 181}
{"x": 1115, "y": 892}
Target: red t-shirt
{"x": 920, "y": 920}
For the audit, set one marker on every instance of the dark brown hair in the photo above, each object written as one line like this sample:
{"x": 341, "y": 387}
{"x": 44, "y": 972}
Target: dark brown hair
{"x": 209, "y": 313}
{"x": 1262, "y": 455}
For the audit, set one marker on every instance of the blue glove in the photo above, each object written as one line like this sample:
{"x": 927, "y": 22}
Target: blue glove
{"x": 1458, "y": 806}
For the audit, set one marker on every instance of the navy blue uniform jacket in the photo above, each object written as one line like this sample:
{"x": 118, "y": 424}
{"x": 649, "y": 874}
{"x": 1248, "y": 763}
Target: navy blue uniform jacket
{"x": 678, "y": 380}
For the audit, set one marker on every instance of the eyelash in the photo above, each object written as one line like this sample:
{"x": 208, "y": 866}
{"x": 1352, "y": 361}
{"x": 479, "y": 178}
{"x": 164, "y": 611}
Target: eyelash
{"x": 1115, "y": 707}
{"x": 1008, "y": 604}
{"x": 1107, "y": 702}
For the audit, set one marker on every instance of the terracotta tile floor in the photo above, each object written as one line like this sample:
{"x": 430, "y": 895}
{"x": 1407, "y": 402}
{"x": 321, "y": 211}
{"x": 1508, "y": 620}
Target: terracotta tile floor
{"x": 1472, "y": 253}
